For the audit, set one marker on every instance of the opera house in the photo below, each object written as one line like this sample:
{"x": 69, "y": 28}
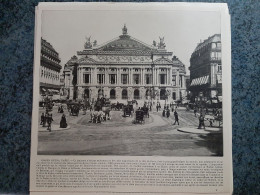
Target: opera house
{"x": 125, "y": 69}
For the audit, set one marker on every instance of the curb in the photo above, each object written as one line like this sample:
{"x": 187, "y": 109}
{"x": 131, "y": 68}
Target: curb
{"x": 54, "y": 128}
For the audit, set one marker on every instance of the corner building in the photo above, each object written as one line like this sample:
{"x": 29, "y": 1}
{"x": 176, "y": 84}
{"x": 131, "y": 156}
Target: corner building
{"x": 125, "y": 69}
{"x": 206, "y": 68}
{"x": 49, "y": 70}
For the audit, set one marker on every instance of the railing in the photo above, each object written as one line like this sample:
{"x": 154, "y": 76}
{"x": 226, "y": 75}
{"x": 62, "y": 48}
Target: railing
{"x": 136, "y": 97}
{"x": 124, "y": 97}
{"x": 112, "y": 97}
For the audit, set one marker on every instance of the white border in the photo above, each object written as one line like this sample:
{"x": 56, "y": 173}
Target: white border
{"x": 226, "y": 68}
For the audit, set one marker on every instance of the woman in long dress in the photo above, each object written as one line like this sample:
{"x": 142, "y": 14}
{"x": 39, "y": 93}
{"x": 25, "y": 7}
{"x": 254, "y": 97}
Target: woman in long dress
{"x": 63, "y": 122}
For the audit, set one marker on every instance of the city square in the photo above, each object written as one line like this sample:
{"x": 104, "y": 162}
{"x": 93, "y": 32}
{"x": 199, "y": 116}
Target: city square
{"x": 157, "y": 136}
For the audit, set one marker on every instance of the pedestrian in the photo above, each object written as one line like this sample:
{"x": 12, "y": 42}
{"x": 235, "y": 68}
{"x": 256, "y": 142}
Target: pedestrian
{"x": 163, "y": 113}
{"x": 84, "y": 110}
{"x": 176, "y": 118}
{"x": 195, "y": 111}
{"x": 157, "y": 107}
{"x": 49, "y": 121}
{"x": 201, "y": 121}
{"x": 42, "y": 119}
{"x": 63, "y": 122}
{"x": 168, "y": 113}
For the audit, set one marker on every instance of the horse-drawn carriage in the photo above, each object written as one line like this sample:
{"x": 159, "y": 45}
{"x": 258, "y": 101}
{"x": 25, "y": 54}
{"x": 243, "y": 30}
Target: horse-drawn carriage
{"x": 216, "y": 117}
{"x": 128, "y": 109}
{"x": 73, "y": 108}
{"x": 145, "y": 111}
{"x": 117, "y": 106}
{"x": 139, "y": 116}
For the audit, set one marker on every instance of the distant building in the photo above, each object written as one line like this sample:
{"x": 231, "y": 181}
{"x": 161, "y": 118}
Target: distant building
{"x": 125, "y": 69}
{"x": 206, "y": 69}
{"x": 49, "y": 71}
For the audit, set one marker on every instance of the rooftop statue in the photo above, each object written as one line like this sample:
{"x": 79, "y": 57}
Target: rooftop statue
{"x": 154, "y": 43}
{"x": 161, "y": 45}
{"x": 95, "y": 43}
{"x": 124, "y": 30}
{"x": 88, "y": 44}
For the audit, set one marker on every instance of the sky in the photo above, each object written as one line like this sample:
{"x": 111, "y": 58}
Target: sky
{"x": 182, "y": 31}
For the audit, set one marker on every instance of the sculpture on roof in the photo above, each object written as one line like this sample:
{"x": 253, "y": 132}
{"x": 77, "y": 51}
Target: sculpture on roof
{"x": 154, "y": 43}
{"x": 88, "y": 44}
{"x": 95, "y": 43}
{"x": 161, "y": 45}
{"x": 124, "y": 30}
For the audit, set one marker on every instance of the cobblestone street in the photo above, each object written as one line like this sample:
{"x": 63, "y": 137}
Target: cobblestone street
{"x": 119, "y": 136}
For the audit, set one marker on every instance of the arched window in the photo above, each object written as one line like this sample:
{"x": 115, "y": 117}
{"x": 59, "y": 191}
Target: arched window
{"x": 86, "y": 93}
{"x": 100, "y": 93}
{"x": 112, "y": 94}
{"x": 174, "y": 95}
{"x": 162, "y": 94}
{"x": 147, "y": 93}
{"x": 136, "y": 94}
{"x": 124, "y": 94}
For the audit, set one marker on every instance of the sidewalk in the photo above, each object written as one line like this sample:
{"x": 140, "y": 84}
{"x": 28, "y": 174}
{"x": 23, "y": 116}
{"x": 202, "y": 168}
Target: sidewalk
{"x": 53, "y": 128}
{"x": 195, "y": 130}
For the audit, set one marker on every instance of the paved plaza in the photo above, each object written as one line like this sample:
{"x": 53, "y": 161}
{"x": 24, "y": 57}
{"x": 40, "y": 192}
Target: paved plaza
{"x": 119, "y": 136}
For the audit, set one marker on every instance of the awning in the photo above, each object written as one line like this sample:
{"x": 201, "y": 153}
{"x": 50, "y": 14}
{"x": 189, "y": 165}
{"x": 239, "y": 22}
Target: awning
{"x": 200, "y": 81}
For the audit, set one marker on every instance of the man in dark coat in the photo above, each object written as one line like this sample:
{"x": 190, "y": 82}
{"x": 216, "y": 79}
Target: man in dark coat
{"x": 49, "y": 121}
{"x": 176, "y": 118}
{"x": 163, "y": 113}
{"x": 201, "y": 121}
{"x": 168, "y": 112}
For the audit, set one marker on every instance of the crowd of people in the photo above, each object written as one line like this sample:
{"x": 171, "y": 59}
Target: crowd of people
{"x": 99, "y": 112}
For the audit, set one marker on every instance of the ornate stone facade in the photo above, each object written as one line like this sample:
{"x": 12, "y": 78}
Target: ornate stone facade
{"x": 49, "y": 70}
{"x": 125, "y": 69}
{"x": 206, "y": 69}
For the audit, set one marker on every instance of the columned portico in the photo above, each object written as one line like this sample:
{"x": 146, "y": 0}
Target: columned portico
{"x": 125, "y": 66}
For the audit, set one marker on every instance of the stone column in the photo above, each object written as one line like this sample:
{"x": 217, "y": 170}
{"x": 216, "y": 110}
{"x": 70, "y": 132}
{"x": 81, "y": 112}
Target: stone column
{"x": 143, "y": 81}
{"x": 95, "y": 76}
{"x": 183, "y": 82}
{"x": 169, "y": 76}
{"x": 119, "y": 76}
{"x": 158, "y": 77}
{"x": 178, "y": 78}
{"x": 78, "y": 75}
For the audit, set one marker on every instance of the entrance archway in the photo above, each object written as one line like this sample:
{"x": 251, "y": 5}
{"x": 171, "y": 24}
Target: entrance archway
{"x": 148, "y": 93}
{"x": 124, "y": 94}
{"x": 86, "y": 93}
{"x": 136, "y": 94}
{"x": 162, "y": 94}
{"x": 112, "y": 94}
{"x": 100, "y": 93}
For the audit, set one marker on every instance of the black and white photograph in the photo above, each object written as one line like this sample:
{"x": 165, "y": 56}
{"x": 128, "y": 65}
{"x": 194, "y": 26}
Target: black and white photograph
{"x": 130, "y": 83}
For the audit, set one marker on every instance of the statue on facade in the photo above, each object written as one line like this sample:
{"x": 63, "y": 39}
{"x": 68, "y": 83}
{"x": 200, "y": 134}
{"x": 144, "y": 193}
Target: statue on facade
{"x": 95, "y": 43}
{"x": 124, "y": 30}
{"x": 161, "y": 45}
{"x": 154, "y": 43}
{"x": 88, "y": 44}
